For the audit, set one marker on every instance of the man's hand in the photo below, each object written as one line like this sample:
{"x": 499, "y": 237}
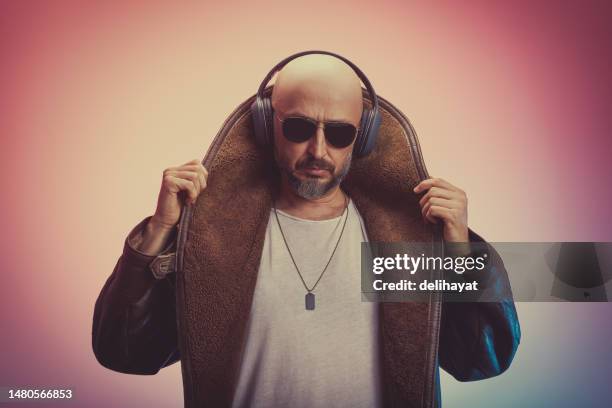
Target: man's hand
{"x": 445, "y": 202}
{"x": 189, "y": 178}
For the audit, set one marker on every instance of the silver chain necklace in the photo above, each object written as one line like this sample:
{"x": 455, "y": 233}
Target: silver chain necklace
{"x": 309, "y": 299}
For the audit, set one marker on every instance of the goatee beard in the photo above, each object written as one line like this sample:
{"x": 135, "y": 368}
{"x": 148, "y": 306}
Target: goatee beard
{"x": 312, "y": 187}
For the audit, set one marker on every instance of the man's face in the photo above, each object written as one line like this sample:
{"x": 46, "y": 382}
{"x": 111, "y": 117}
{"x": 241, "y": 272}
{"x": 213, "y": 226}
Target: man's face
{"x": 314, "y": 167}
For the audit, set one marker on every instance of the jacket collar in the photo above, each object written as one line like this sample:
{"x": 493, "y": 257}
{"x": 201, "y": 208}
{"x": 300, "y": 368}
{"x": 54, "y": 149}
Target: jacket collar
{"x": 220, "y": 243}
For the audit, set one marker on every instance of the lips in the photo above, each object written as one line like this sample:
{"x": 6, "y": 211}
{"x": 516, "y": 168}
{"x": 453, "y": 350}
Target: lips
{"x": 315, "y": 170}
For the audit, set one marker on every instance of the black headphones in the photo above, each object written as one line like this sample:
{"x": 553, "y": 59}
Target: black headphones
{"x": 262, "y": 112}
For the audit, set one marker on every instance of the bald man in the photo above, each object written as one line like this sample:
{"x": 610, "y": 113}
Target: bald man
{"x": 310, "y": 339}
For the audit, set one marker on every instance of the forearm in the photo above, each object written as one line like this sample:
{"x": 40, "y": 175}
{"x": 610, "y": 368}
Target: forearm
{"x": 479, "y": 339}
{"x": 134, "y": 324}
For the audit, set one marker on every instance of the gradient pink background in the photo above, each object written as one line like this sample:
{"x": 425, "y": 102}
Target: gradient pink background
{"x": 511, "y": 102}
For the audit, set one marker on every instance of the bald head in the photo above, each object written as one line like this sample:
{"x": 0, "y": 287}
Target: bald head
{"x": 318, "y": 86}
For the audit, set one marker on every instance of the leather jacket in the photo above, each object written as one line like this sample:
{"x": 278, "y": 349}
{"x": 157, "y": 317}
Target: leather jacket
{"x": 191, "y": 302}
{"x": 135, "y": 328}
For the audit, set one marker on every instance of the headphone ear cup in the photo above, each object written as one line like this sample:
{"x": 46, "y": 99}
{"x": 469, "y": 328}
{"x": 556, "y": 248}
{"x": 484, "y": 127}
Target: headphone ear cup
{"x": 363, "y": 123}
{"x": 368, "y": 130}
{"x": 369, "y": 139}
{"x": 268, "y": 113}
{"x": 258, "y": 121}
{"x": 261, "y": 112}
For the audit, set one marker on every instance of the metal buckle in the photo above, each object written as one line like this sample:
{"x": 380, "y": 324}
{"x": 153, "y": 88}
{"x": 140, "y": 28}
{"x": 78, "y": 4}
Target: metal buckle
{"x": 163, "y": 265}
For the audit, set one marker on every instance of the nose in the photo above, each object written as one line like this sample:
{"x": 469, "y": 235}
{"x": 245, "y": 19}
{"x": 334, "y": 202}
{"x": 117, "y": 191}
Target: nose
{"x": 316, "y": 144}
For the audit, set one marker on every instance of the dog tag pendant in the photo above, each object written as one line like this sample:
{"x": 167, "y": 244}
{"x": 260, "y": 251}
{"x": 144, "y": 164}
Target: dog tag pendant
{"x": 310, "y": 301}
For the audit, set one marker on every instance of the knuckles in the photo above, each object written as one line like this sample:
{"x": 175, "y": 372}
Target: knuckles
{"x": 167, "y": 179}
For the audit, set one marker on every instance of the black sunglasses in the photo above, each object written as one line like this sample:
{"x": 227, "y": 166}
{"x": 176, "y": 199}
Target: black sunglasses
{"x": 298, "y": 129}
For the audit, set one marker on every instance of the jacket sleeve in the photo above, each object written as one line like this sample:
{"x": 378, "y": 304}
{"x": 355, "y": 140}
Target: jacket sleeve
{"x": 478, "y": 340}
{"x": 134, "y": 322}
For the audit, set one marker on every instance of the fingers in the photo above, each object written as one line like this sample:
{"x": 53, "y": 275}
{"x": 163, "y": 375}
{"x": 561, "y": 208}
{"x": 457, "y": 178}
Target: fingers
{"x": 434, "y": 212}
{"x": 175, "y": 184}
{"x": 440, "y": 188}
{"x": 439, "y": 193}
{"x": 434, "y": 182}
{"x": 197, "y": 179}
{"x": 190, "y": 177}
{"x": 197, "y": 169}
{"x": 196, "y": 166}
{"x": 439, "y": 202}
{"x": 193, "y": 164}
{"x": 442, "y": 200}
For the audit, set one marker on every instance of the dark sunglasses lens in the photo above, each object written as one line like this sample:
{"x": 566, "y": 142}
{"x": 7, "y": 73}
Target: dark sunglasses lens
{"x": 298, "y": 130}
{"x": 340, "y": 134}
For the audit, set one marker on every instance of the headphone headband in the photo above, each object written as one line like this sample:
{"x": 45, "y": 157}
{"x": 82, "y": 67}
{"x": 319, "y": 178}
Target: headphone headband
{"x": 359, "y": 73}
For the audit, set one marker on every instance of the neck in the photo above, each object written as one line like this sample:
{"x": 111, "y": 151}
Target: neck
{"x": 330, "y": 205}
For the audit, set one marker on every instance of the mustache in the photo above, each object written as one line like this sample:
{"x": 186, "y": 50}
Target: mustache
{"x": 318, "y": 163}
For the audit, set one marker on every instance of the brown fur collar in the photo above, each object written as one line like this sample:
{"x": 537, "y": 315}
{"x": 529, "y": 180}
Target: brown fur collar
{"x": 221, "y": 239}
